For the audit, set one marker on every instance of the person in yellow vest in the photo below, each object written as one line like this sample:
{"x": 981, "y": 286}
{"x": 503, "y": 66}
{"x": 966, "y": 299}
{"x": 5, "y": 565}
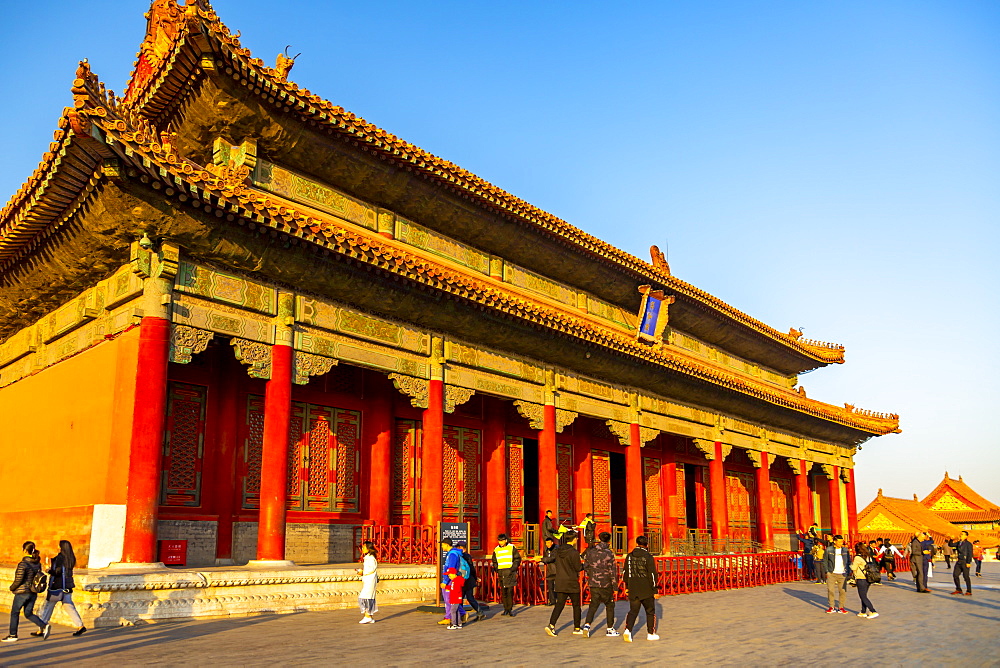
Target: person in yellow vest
{"x": 587, "y": 528}
{"x": 506, "y": 560}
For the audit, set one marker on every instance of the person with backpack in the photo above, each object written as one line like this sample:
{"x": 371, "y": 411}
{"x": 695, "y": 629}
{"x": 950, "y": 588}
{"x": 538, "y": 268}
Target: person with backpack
{"x": 506, "y": 561}
{"x": 29, "y": 581}
{"x": 888, "y": 553}
{"x": 567, "y": 582}
{"x": 471, "y": 579}
{"x": 602, "y": 576}
{"x": 639, "y": 574}
{"x": 865, "y": 571}
{"x": 61, "y": 588}
{"x": 452, "y": 560}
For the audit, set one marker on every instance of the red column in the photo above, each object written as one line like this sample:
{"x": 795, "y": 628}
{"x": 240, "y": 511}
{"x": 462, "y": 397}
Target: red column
{"x": 672, "y": 509}
{"x": 495, "y": 455}
{"x": 548, "y": 479}
{"x": 717, "y": 490}
{"x": 803, "y": 500}
{"x": 148, "y": 421}
{"x": 274, "y": 456}
{"x": 764, "y": 532}
{"x": 432, "y": 462}
{"x": 634, "y": 486}
{"x": 852, "y": 504}
{"x": 226, "y": 489}
{"x": 834, "y": 487}
{"x": 380, "y": 426}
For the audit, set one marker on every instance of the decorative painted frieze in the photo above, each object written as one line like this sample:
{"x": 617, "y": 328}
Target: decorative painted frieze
{"x": 256, "y": 355}
{"x": 226, "y": 288}
{"x": 360, "y": 352}
{"x": 529, "y": 280}
{"x": 446, "y": 247}
{"x": 187, "y": 341}
{"x": 308, "y": 191}
{"x": 193, "y": 311}
{"x": 417, "y": 389}
{"x": 335, "y": 317}
{"x": 308, "y": 364}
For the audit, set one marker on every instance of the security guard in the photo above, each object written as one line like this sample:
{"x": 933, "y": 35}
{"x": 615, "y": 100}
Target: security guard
{"x": 506, "y": 560}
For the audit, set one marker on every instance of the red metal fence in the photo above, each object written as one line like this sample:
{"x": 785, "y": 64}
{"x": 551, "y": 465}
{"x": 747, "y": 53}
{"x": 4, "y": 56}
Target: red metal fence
{"x": 399, "y": 543}
{"x": 674, "y": 575}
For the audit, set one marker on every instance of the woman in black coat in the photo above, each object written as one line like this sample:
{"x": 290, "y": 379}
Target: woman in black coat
{"x": 24, "y": 598}
{"x": 61, "y": 587}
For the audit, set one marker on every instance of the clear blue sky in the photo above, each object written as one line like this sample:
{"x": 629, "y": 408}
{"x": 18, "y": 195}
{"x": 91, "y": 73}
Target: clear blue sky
{"x": 829, "y": 165}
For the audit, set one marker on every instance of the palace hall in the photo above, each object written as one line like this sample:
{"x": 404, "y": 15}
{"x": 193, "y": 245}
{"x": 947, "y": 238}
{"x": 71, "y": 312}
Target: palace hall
{"x": 246, "y": 318}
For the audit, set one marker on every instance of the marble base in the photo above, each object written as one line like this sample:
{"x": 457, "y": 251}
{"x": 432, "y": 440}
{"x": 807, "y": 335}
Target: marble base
{"x": 127, "y": 594}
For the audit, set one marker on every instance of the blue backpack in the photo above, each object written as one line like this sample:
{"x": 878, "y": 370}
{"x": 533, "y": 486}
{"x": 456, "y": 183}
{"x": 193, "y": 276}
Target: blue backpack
{"x": 463, "y": 567}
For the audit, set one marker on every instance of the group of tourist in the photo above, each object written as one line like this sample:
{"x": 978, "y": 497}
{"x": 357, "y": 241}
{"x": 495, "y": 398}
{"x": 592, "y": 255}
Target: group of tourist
{"x": 56, "y": 582}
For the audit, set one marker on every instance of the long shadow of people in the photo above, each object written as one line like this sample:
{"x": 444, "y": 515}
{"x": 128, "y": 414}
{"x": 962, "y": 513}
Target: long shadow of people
{"x": 815, "y": 599}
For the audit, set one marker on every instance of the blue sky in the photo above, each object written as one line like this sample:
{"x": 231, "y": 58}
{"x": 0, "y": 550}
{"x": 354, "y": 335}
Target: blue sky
{"x": 831, "y": 166}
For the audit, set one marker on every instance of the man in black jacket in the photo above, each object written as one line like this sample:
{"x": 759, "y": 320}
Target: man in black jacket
{"x": 963, "y": 562}
{"x": 567, "y": 583}
{"x": 602, "y": 578}
{"x": 640, "y": 582}
{"x": 549, "y": 559}
{"x": 917, "y": 567}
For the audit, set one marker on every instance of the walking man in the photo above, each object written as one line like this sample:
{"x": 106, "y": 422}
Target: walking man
{"x": 837, "y": 563}
{"x": 602, "y": 576}
{"x": 977, "y": 555}
{"x": 916, "y": 550}
{"x": 506, "y": 560}
{"x": 587, "y": 528}
{"x": 963, "y": 562}
{"x": 640, "y": 583}
{"x": 567, "y": 583}
{"x": 549, "y": 527}
{"x": 549, "y": 559}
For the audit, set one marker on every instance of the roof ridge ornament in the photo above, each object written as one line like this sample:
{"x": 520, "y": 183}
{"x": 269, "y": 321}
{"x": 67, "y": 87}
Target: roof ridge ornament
{"x": 285, "y": 63}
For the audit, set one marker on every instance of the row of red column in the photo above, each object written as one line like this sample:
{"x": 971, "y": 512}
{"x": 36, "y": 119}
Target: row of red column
{"x": 149, "y": 421}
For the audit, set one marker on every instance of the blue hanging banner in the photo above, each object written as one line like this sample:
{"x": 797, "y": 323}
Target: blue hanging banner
{"x": 652, "y": 314}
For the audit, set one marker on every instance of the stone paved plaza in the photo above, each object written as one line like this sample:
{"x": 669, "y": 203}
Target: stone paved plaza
{"x": 775, "y": 625}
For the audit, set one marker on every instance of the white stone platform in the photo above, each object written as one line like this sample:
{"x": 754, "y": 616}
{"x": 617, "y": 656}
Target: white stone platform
{"x": 123, "y": 595}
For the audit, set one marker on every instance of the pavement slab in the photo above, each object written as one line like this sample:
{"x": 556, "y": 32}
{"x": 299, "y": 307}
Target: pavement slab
{"x": 763, "y": 626}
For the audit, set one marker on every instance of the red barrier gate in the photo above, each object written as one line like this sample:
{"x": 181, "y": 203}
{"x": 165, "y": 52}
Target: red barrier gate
{"x": 399, "y": 543}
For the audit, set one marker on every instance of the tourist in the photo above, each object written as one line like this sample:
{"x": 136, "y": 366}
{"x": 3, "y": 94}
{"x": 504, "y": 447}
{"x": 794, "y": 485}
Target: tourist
{"x": 859, "y": 570}
{"x": 369, "y": 579}
{"x": 814, "y": 531}
{"x": 977, "y": 554}
{"x": 888, "y": 553}
{"x": 28, "y": 582}
{"x": 549, "y": 527}
{"x": 807, "y": 541}
{"x": 61, "y": 587}
{"x": 963, "y": 561}
{"x": 506, "y": 561}
{"x": 917, "y": 567}
{"x": 567, "y": 583}
{"x": 587, "y": 528}
{"x": 549, "y": 559}
{"x": 946, "y": 552}
{"x": 837, "y": 562}
{"x": 469, "y": 588}
{"x": 818, "y": 552}
{"x": 452, "y": 559}
{"x": 929, "y": 551}
{"x": 639, "y": 574}
{"x": 453, "y": 597}
{"x": 602, "y": 576}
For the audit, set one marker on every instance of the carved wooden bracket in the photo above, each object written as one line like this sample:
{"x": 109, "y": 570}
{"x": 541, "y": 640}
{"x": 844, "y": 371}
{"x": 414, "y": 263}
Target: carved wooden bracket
{"x": 827, "y": 471}
{"x": 845, "y": 474}
{"x": 256, "y": 355}
{"x": 795, "y": 465}
{"x": 455, "y": 396}
{"x": 308, "y": 364}
{"x": 564, "y": 418}
{"x": 706, "y": 446}
{"x": 755, "y": 458}
{"x": 622, "y": 430}
{"x": 647, "y": 434}
{"x": 533, "y": 413}
{"x": 186, "y": 341}
{"x": 415, "y": 388}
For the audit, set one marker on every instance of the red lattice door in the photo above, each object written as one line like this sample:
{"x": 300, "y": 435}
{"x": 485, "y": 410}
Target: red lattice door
{"x": 564, "y": 473}
{"x": 323, "y": 458}
{"x": 741, "y": 505}
{"x": 782, "y": 504}
{"x": 461, "y": 493}
{"x": 679, "y": 509}
{"x": 601, "y": 463}
{"x": 404, "y": 461}
{"x": 515, "y": 489}
{"x": 183, "y": 445}
{"x": 253, "y": 444}
{"x": 654, "y": 492}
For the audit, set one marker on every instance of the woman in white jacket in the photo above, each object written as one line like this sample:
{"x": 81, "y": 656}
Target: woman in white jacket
{"x": 369, "y": 578}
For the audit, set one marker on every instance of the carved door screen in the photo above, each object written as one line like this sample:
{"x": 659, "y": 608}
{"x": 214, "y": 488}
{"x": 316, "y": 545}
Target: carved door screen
{"x": 323, "y": 457}
{"x": 601, "y": 463}
{"x": 405, "y": 447}
{"x": 515, "y": 489}
{"x": 461, "y": 493}
{"x": 654, "y": 499}
{"x": 564, "y": 471}
{"x": 741, "y": 505}
{"x": 184, "y": 445}
{"x": 782, "y": 505}
{"x": 680, "y": 505}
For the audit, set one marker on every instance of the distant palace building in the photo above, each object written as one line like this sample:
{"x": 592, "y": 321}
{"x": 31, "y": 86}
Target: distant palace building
{"x": 239, "y": 315}
{"x": 951, "y": 507}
